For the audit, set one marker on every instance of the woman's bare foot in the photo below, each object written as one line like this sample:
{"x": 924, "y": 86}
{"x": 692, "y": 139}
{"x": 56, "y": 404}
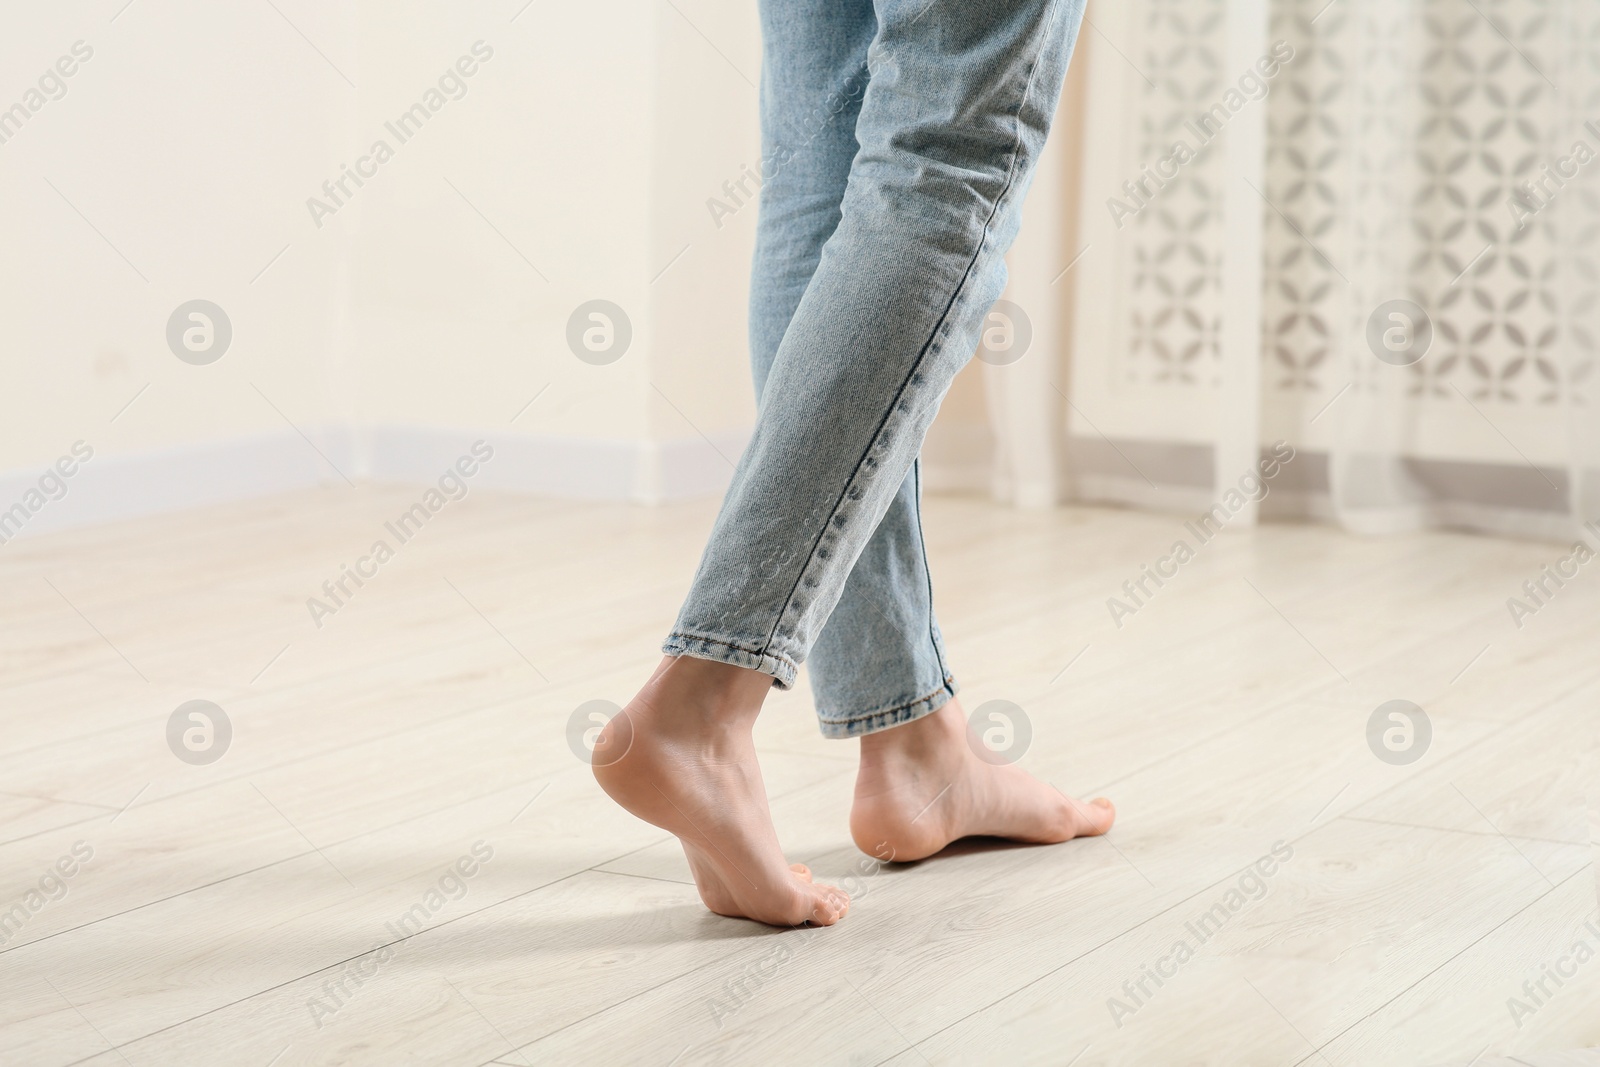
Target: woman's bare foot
{"x": 681, "y": 756}
{"x": 922, "y": 786}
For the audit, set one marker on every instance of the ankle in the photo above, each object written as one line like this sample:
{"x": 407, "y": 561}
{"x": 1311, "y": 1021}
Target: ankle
{"x": 921, "y": 741}
{"x": 706, "y": 696}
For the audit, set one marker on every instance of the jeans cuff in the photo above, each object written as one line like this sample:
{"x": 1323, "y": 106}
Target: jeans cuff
{"x": 871, "y": 722}
{"x": 701, "y": 646}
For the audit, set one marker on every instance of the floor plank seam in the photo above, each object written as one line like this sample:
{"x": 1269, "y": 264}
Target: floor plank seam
{"x": 264, "y": 866}
{"x": 1542, "y": 709}
{"x": 1456, "y": 830}
{"x": 247, "y": 688}
{"x": 57, "y": 800}
{"x": 340, "y": 963}
{"x": 1305, "y": 693}
{"x": 246, "y": 775}
{"x": 646, "y": 877}
{"x": 1464, "y": 949}
{"x": 320, "y": 970}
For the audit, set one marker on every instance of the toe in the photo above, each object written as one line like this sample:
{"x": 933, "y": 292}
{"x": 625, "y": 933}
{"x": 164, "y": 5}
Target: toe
{"x": 1086, "y": 820}
{"x": 1099, "y": 815}
{"x": 802, "y": 870}
{"x": 829, "y": 905}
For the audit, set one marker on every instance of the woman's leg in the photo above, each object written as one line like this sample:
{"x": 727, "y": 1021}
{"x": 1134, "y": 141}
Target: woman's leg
{"x": 958, "y": 102}
{"x": 879, "y": 660}
{"x": 681, "y": 756}
{"x": 879, "y": 663}
{"x": 957, "y": 105}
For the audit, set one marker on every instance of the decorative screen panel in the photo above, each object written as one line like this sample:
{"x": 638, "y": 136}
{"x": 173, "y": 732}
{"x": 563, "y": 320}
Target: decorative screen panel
{"x": 1400, "y": 138}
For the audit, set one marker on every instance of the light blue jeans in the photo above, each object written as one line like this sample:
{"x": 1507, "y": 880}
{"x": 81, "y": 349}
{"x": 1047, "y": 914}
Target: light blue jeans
{"x": 898, "y": 139}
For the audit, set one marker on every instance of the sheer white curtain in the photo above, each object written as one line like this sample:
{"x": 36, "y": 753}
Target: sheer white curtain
{"x": 1481, "y": 299}
{"x": 1282, "y": 203}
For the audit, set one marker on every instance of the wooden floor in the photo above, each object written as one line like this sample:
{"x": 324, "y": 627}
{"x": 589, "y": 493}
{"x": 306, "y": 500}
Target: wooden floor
{"x": 248, "y": 911}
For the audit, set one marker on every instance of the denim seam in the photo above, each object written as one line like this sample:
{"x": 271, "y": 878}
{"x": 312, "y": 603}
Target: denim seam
{"x": 927, "y": 571}
{"x": 939, "y": 328}
{"x": 788, "y": 668}
{"x": 868, "y": 721}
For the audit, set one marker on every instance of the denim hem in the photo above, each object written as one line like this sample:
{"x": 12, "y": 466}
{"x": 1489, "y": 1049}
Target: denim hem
{"x": 700, "y": 646}
{"x": 876, "y": 721}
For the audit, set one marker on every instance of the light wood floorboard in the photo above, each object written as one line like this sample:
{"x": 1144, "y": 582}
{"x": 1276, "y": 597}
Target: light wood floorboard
{"x": 226, "y": 907}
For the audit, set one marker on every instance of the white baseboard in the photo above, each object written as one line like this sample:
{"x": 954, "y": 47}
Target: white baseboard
{"x": 113, "y": 488}
{"x": 109, "y": 488}
{"x": 645, "y": 472}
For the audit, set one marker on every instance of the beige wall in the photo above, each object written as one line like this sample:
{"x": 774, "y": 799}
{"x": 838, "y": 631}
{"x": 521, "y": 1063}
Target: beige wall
{"x": 705, "y": 131}
{"x": 194, "y": 136}
{"x": 452, "y": 322}
{"x": 589, "y": 142}
{"x": 185, "y": 141}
